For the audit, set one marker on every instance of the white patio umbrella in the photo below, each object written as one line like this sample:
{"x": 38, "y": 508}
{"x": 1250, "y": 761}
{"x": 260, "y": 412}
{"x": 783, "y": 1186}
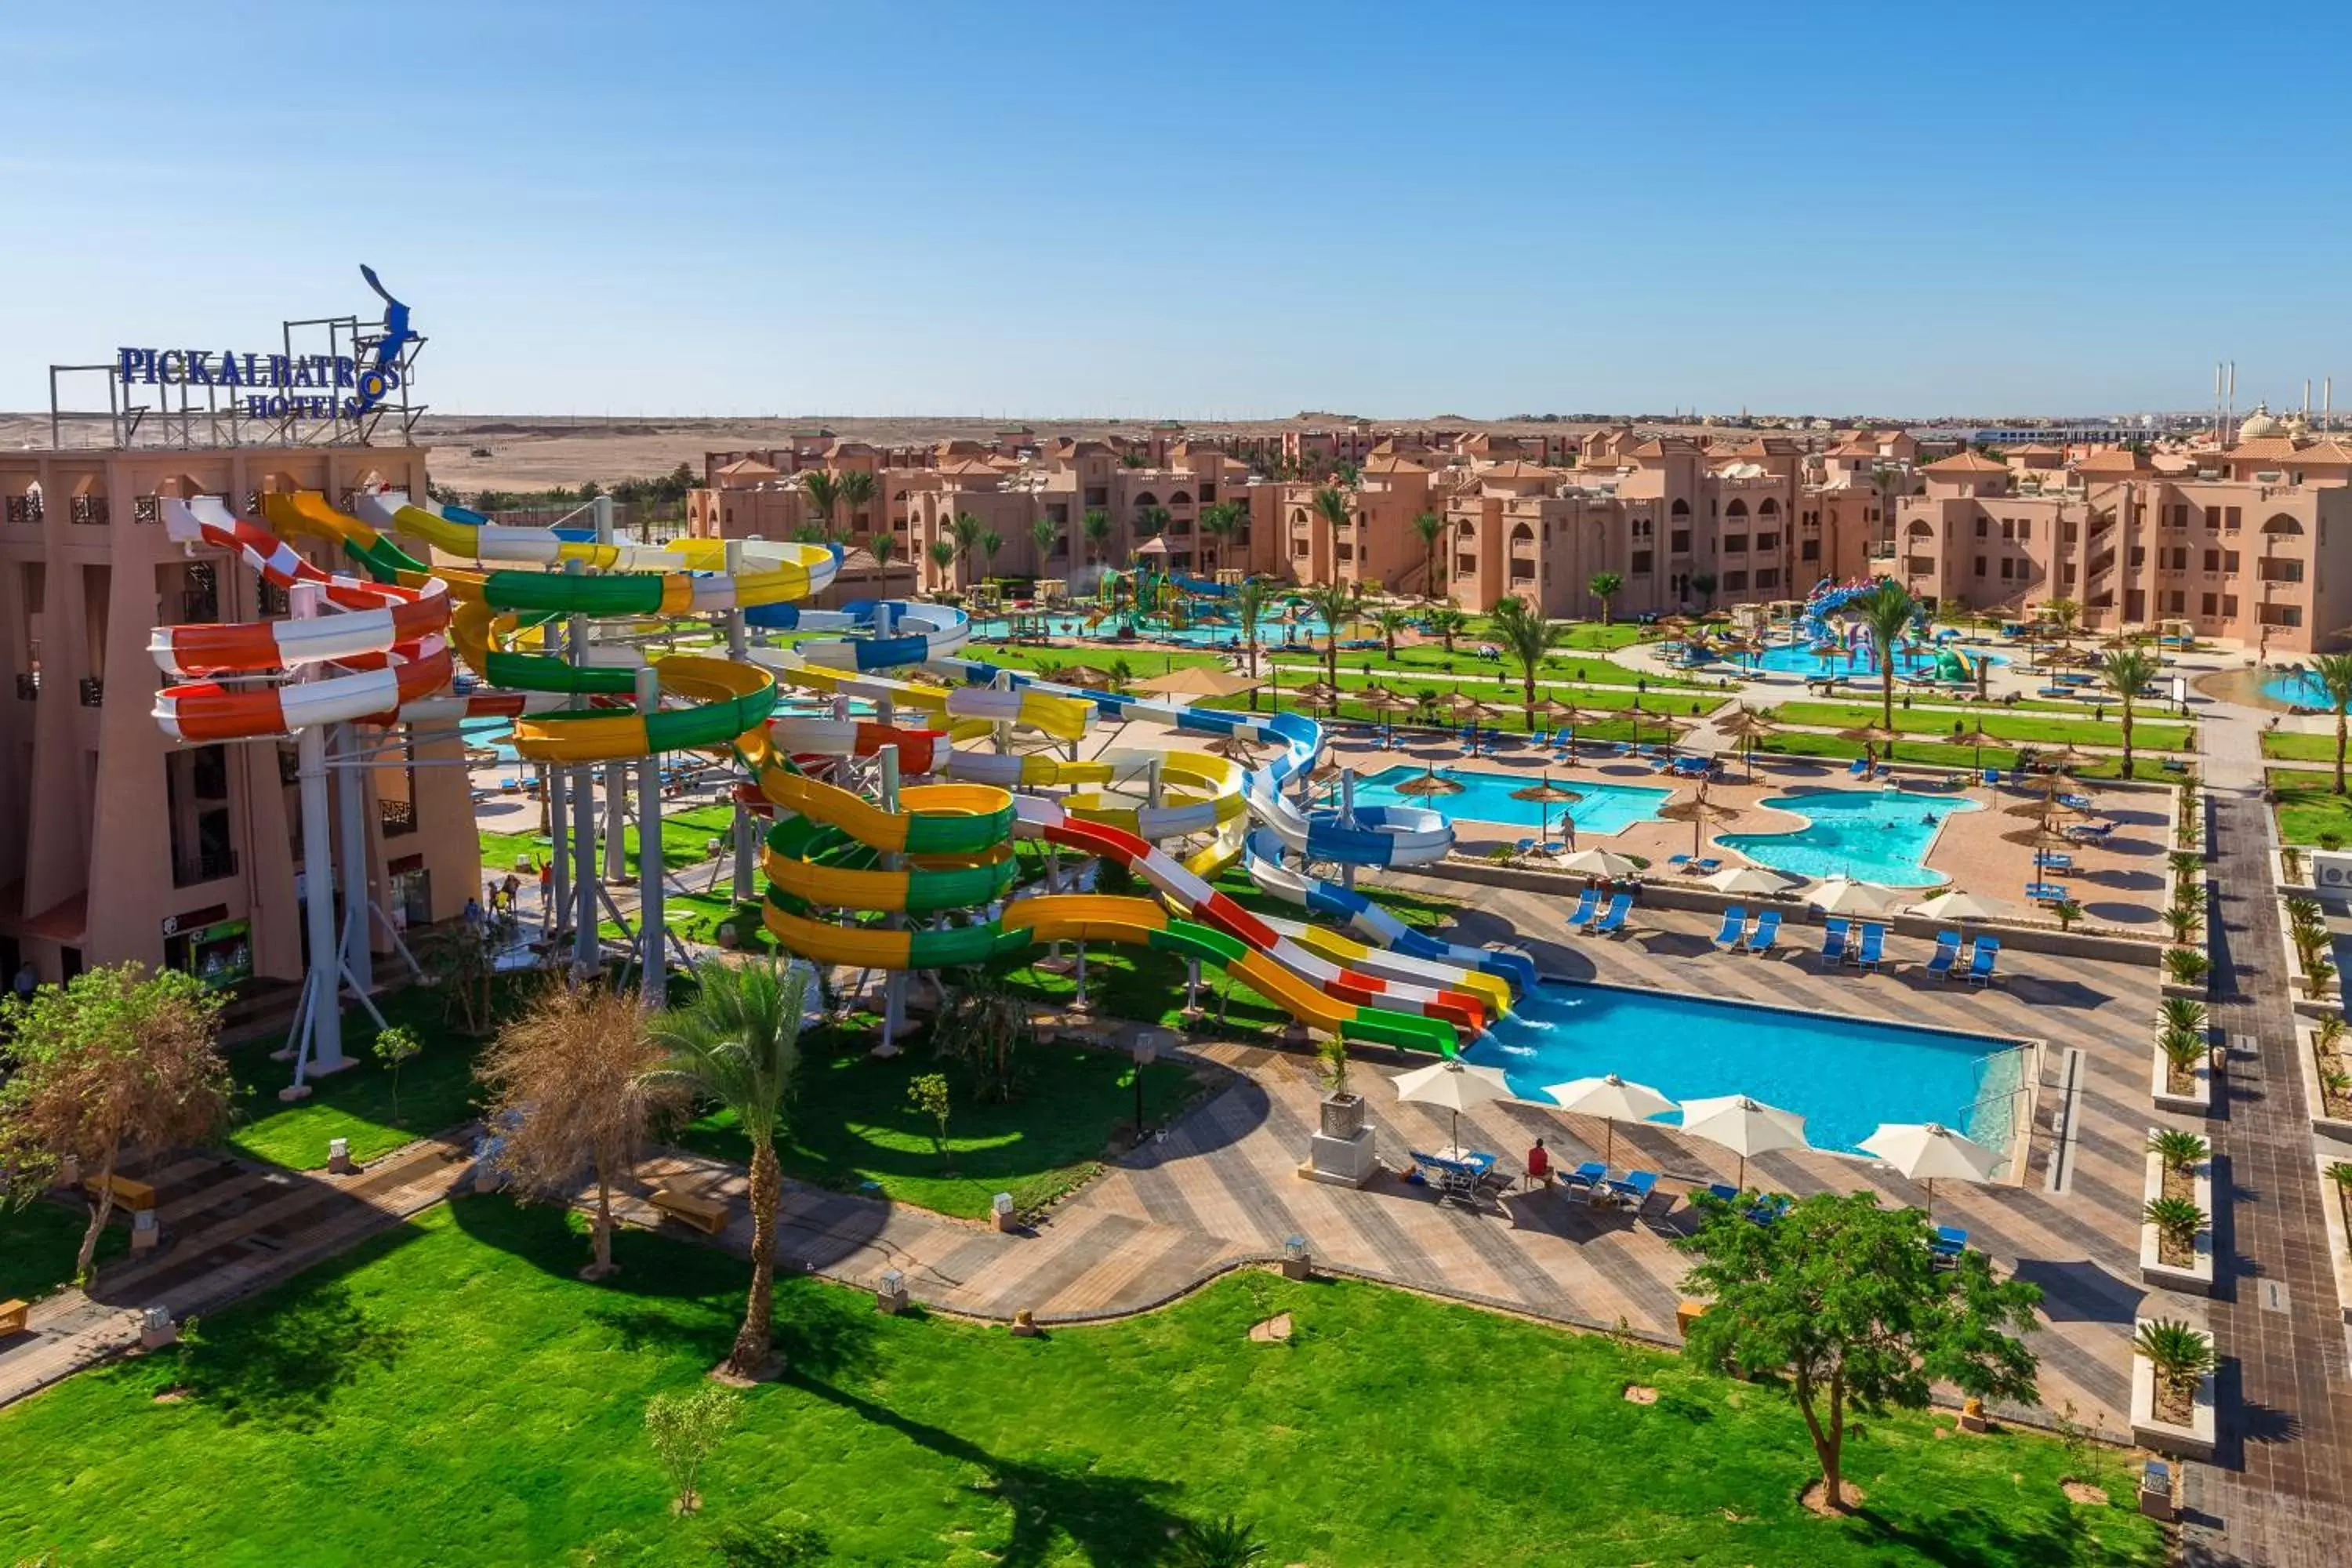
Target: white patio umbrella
{"x": 1453, "y": 1084}
{"x": 1612, "y": 1099}
{"x": 1924, "y": 1151}
{"x": 1844, "y": 896}
{"x": 1744, "y": 1126}
{"x": 1597, "y": 863}
{"x": 1955, "y": 906}
{"x": 1748, "y": 880}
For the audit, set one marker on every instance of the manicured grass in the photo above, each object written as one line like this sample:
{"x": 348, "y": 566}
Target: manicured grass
{"x": 2308, "y": 807}
{"x": 1996, "y": 721}
{"x": 1683, "y": 705}
{"x": 39, "y": 1243}
{"x": 851, "y": 1123}
{"x": 1931, "y": 753}
{"x": 1144, "y": 662}
{"x": 2286, "y": 747}
{"x": 685, "y": 841}
{"x": 451, "y": 1393}
{"x": 1431, "y": 661}
{"x": 436, "y": 1089}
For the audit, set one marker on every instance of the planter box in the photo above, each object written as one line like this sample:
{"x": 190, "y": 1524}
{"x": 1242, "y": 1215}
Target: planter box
{"x": 2199, "y": 1101}
{"x": 2196, "y": 1276}
{"x": 2306, "y": 1059}
{"x": 2339, "y": 1245}
{"x": 2304, "y": 885}
{"x": 2202, "y": 992}
{"x": 2330, "y": 1000}
{"x": 2194, "y": 1441}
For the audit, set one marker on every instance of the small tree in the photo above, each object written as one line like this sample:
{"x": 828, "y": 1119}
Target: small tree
{"x": 2181, "y": 1355}
{"x": 1251, "y": 602}
{"x": 943, "y": 559}
{"x": 2333, "y": 673}
{"x": 1096, "y": 526}
{"x": 857, "y": 488}
{"x": 1151, "y": 522}
{"x": 1227, "y": 1542}
{"x": 1847, "y": 1297}
{"x": 1429, "y": 529}
{"x": 990, "y": 541}
{"x": 2179, "y": 1149}
{"x": 2176, "y": 1221}
{"x": 1703, "y": 583}
{"x": 394, "y": 1048}
{"x": 983, "y": 1024}
{"x": 1448, "y": 624}
{"x": 2067, "y": 912}
{"x": 460, "y": 960}
{"x": 927, "y": 1096}
{"x": 116, "y": 1061}
{"x": 1890, "y": 613}
{"x": 794, "y": 1545}
{"x": 1045, "y": 533}
{"x": 2127, "y": 669}
{"x": 1606, "y": 586}
{"x": 1332, "y": 1065}
{"x": 822, "y": 491}
{"x": 1527, "y": 637}
{"x": 683, "y": 1429}
{"x": 1335, "y": 604}
{"x": 570, "y": 1092}
{"x": 1391, "y": 622}
{"x": 1222, "y": 521}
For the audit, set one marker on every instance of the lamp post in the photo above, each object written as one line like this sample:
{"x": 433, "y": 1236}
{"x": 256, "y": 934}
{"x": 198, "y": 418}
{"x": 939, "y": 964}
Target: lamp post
{"x": 1146, "y": 1051}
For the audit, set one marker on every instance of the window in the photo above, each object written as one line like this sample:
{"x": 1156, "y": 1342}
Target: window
{"x": 1980, "y": 566}
{"x": 2230, "y": 605}
{"x": 2175, "y": 601}
{"x": 1098, "y": 496}
{"x": 1678, "y": 540}
{"x": 2212, "y": 564}
{"x": 1298, "y": 550}
{"x": 2212, "y": 517}
{"x": 1984, "y": 526}
{"x": 2008, "y": 567}
{"x": 2024, "y": 528}
{"x": 2282, "y": 571}
{"x": 1767, "y": 542}
{"x": 1642, "y": 559}
{"x": 2228, "y": 560}
{"x": 2136, "y": 556}
{"x": 1466, "y": 565}
{"x": 1768, "y": 578}
{"x": 2207, "y": 604}
{"x": 1735, "y": 582}
{"x": 2229, "y": 518}
{"x": 1208, "y": 491}
{"x": 1810, "y": 549}
{"x": 2180, "y": 519}
{"x": 1735, "y": 544}
{"x": 2008, "y": 528}
{"x": 2282, "y": 614}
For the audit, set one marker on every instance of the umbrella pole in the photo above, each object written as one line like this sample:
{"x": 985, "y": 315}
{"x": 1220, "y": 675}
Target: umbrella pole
{"x": 1743, "y": 1172}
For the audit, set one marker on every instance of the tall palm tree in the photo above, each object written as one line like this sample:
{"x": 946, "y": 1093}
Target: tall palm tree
{"x": 1606, "y": 586}
{"x": 882, "y": 546}
{"x": 1045, "y": 533}
{"x": 2333, "y": 673}
{"x": 856, "y": 490}
{"x": 1151, "y": 522}
{"x": 990, "y": 544}
{"x": 823, "y": 493}
{"x": 1429, "y": 529}
{"x": 2065, "y": 612}
{"x": 1331, "y": 503}
{"x": 1526, "y": 637}
{"x": 966, "y": 529}
{"x": 1096, "y": 526}
{"x": 1250, "y": 604}
{"x": 2127, "y": 669}
{"x": 1448, "y": 624}
{"x": 739, "y": 1044}
{"x": 1890, "y": 612}
{"x": 943, "y": 559}
{"x": 1704, "y": 584}
{"x": 1391, "y": 622}
{"x": 1335, "y": 604}
{"x": 1221, "y": 521}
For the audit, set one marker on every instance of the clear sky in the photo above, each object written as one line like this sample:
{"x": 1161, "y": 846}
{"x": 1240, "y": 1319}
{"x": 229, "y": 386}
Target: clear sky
{"x": 1204, "y": 210}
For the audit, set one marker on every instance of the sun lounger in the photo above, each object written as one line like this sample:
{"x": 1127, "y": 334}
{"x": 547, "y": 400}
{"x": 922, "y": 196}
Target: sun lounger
{"x": 2053, "y": 860}
{"x": 2075, "y": 802}
{"x": 1611, "y": 923}
{"x": 1767, "y": 932}
{"x": 1634, "y": 1191}
{"x": 1872, "y": 951}
{"x": 1588, "y": 1175}
{"x": 1857, "y": 768}
{"x": 1447, "y": 1178}
{"x": 1735, "y": 926}
{"x": 1948, "y": 953}
{"x": 1585, "y": 909}
{"x": 1722, "y": 1192}
{"x": 2046, "y": 892}
{"x": 1706, "y": 867}
{"x": 1980, "y": 962}
{"x": 1768, "y": 1208}
{"x": 1679, "y": 862}
{"x": 1834, "y": 940}
{"x": 1949, "y": 1242}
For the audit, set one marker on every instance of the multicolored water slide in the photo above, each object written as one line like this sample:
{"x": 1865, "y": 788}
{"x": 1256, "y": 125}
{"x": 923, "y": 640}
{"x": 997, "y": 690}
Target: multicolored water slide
{"x": 1368, "y": 919}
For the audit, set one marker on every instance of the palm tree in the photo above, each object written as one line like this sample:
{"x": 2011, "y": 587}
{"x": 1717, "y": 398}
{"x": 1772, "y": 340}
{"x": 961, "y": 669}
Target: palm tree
{"x": 1889, "y": 611}
{"x": 2181, "y": 1355}
{"x": 1045, "y": 533}
{"x": 943, "y": 558}
{"x": 1096, "y": 526}
{"x": 1391, "y": 622}
{"x": 739, "y": 1044}
{"x": 1702, "y": 584}
{"x": 1250, "y": 603}
{"x": 1606, "y": 586}
{"x": 1332, "y": 502}
{"x": 823, "y": 493}
{"x": 1151, "y": 522}
{"x": 1221, "y": 521}
{"x": 857, "y": 488}
{"x": 1335, "y": 604}
{"x": 2333, "y": 673}
{"x": 882, "y": 546}
{"x": 966, "y": 529}
{"x": 990, "y": 544}
{"x": 1431, "y": 529}
{"x": 2065, "y": 612}
{"x": 2179, "y": 1149}
{"x": 2125, "y": 670}
{"x": 1526, "y": 636}
{"x": 1448, "y": 624}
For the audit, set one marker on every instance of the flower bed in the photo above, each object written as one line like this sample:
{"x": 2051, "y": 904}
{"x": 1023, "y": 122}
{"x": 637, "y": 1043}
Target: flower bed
{"x": 2163, "y": 1262}
{"x": 2167, "y": 1424}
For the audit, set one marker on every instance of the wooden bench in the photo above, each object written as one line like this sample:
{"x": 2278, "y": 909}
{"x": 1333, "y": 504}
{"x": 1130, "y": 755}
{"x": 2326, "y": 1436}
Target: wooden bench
{"x": 14, "y": 1316}
{"x": 138, "y": 1196}
{"x": 708, "y": 1216}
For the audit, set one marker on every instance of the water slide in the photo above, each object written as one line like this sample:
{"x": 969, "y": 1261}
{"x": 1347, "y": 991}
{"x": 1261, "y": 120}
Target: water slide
{"x": 1369, "y": 921}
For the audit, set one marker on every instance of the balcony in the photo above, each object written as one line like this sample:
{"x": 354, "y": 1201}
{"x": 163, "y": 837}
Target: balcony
{"x": 28, "y": 687}
{"x": 93, "y": 691}
{"x": 90, "y": 511}
{"x": 25, "y": 509}
{"x": 396, "y": 816}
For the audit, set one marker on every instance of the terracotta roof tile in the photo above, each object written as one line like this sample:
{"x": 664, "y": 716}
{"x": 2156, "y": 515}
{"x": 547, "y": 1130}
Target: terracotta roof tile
{"x": 1969, "y": 462}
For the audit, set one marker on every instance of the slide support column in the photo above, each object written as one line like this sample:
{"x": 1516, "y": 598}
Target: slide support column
{"x": 738, "y": 648}
{"x": 321, "y": 1048}
{"x": 652, "y": 930}
{"x": 894, "y": 981}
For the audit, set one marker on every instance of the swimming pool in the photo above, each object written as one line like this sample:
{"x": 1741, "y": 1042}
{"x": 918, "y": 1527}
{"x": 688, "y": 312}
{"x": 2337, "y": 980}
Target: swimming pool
{"x": 1943, "y": 661}
{"x": 1845, "y": 1076}
{"x": 1487, "y": 797}
{"x": 2297, "y": 689}
{"x": 1872, "y": 836}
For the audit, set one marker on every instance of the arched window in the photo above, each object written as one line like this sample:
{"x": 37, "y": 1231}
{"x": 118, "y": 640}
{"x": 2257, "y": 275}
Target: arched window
{"x": 1921, "y": 529}
{"x": 1522, "y": 534}
{"x": 1737, "y": 511}
{"x": 1767, "y": 507}
{"x": 1680, "y": 509}
{"x": 2282, "y": 525}
{"x": 1180, "y": 497}
{"x": 1298, "y": 514}
{"x": 1146, "y": 499}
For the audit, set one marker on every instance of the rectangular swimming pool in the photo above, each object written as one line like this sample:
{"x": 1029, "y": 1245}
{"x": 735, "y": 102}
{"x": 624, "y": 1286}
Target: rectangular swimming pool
{"x": 1845, "y": 1076}
{"x": 1487, "y": 797}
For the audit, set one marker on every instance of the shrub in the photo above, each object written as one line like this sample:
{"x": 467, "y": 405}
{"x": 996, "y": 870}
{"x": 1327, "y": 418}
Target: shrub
{"x": 2180, "y": 1150}
{"x": 2185, "y": 966}
{"x": 2178, "y": 1221}
{"x": 2180, "y": 1354}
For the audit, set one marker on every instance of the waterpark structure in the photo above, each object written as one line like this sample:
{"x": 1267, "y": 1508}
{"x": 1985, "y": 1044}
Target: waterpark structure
{"x": 900, "y": 779}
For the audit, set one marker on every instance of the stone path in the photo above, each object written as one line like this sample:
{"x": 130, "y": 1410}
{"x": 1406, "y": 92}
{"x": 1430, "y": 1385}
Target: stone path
{"x": 230, "y": 1228}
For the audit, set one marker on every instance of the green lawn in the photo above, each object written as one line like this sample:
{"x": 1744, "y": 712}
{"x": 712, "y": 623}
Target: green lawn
{"x": 1144, "y": 662}
{"x": 2309, "y": 806}
{"x": 1930, "y": 753}
{"x": 451, "y": 1393}
{"x": 436, "y": 1089}
{"x": 1431, "y": 661}
{"x": 2286, "y": 747}
{"x": 1996, "y": 721}
{"x": 851, "y": 1124}
{"x": 1683, "y": 705}
{"x": 686, "y": 841}
{"x": 38, "y": 1241}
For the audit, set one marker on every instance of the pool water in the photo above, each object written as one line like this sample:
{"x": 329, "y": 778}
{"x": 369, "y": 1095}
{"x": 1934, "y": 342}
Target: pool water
{"x": 1872, "y": 836}
{"x": 1845, "y": 1076}
{"x": 2297, "y": 689}
{"x": 1487, "y": 797}
{"x": 1798, "y": 659}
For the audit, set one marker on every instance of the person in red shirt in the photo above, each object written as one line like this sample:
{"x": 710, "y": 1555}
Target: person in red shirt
{"x": 1539, "y": 1164}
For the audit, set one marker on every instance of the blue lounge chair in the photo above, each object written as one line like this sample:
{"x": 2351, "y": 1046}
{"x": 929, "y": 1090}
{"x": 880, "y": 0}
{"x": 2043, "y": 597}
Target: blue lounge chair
{"x": 1611, "y": 923}
{"x": 1588, "y": 1176}
{"x": 1992, "y": 778}
{"x": 1982, "y": 960}
{"x": 2075, "y": 802}
{"x": 1735, "y": 926}
{"x": 1949, "y": 1242}
{"x": 2053, "y": 860}
{"x": 1585, "y": 906}
{"x": 1679, "y": 862}
{"x": 1767, "y": 932}
{"x": 1770, "y": 1207}
{"x": 1635, "y": 1190}
{"x": 1858, "y": 769}
{"x": 1872, "y": 951}
{"x": 1706, "y": 867}
{"x": 1948, "y": 953}
{"x": 1446, "y": 1178}
{"x": 2046, "y": 892}
{"x": 1833, "y": 937}
{"x": 1723, "y": 1192}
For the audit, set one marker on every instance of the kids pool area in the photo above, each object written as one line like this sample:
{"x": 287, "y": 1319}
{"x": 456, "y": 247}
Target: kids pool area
{"x": 1872, "y": 836}
{"x": 1942, "y": 662}
{"x": 1845, "y": 1076}
{"x": 1488, "y": 797}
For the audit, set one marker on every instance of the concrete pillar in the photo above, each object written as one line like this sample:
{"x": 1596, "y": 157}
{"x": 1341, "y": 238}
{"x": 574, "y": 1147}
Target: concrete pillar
{"x": 322, "y": 983}
{"x": 654, "y": 987}
{"x": 350, "y": 794}
{"x": 747, "y": 832}
{"x": 894, "y": 981}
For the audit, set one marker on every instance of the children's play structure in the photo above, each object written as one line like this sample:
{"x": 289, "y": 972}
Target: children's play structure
{"x": 926, "y": 811}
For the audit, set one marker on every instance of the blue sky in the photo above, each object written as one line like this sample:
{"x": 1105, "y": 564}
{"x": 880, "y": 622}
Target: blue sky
{"x": 1201, "y": 211}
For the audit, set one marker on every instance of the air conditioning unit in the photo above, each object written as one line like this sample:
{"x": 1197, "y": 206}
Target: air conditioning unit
{"x": 2334, "y": 873}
